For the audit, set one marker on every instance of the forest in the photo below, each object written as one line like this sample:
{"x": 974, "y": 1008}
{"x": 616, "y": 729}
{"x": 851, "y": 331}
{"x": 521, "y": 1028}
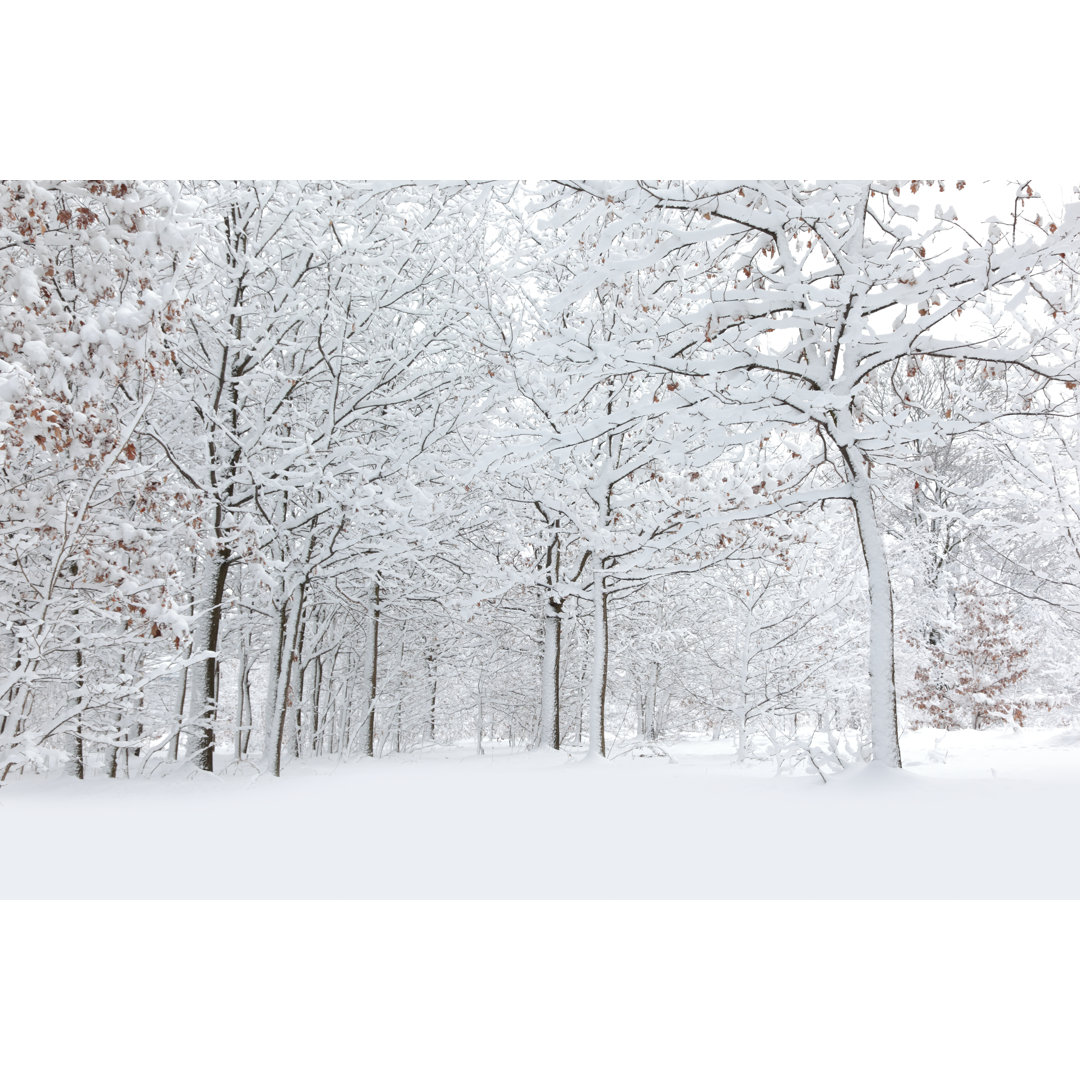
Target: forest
{"x": 323, "y": 471}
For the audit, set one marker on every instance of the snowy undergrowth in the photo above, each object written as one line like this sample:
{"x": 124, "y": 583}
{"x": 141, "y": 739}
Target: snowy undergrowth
{"x": 973, "y": 814}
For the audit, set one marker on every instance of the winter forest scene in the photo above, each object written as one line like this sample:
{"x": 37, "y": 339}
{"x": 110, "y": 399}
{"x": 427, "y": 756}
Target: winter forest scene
{"x": 458, "y": 620}
{"x": 432, "y": 503}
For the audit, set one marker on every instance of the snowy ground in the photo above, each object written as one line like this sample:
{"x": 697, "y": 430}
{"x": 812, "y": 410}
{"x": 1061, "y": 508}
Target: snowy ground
{"x": 813, "y": 983}
{"x": 972, "y": 815}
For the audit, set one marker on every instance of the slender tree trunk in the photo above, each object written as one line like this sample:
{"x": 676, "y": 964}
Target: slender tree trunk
{"x": 433, "y": 671}
{"x": 200, "y": 745}
{"x": 742, "y": 708}
{"x": 294, "y": 717}
{"x": 185, "y": 674}
{"x": 181, "y": 702}
{"x": 403, "y": 698}
{"x": 581, "y": 697}
{"x": 133, "y": 734}
{"x": 76, "y": 761}
{"x": 288, "y": 629}
{"x": 598, "y": 683}
{"x": 550, "y": 734}
{"x": 112, "y": 751}
{"x": 316, "y": 704}
{"x": 884, "y": 734}
{"x": 246, "y": 731}
{"x": 241, "y": 704}
{"x": 332, "y": 713}
{"x": 480, "y": 715}
{"x": 372, "y": 667}
{"x": 223, "y": 470}
{"x": 649, "y": 731}
{"x": 346, "y": 718}
{"x": 273, "y": 701}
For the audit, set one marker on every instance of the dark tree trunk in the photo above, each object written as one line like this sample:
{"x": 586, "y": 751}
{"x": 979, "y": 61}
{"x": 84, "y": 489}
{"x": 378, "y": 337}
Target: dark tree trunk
{"x": 433, "y": 669}
{"x": 77, "y": 765}
{"x": 373, "y": 670}
{"x": 201, "y": 735}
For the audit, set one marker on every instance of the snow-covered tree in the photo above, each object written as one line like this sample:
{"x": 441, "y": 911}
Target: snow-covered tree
{"x": 87, "y": 305}
{"x": 800, "y": 304}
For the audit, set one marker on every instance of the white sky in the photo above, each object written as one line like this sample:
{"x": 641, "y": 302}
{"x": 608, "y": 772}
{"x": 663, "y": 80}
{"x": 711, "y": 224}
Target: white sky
{"x": 483, "y": 89}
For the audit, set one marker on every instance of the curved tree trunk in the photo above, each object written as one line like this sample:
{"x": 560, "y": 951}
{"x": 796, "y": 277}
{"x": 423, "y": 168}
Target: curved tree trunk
{"x": 884, "y": 734}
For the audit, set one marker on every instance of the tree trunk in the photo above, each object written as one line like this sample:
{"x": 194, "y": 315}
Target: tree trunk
{"x": 480, "y": 716}
{"x": 287, "y": 634}
{"x": 598, "y": 683}
{"x": 181, "y": 702}
{"x": 372, "y": 667}
{"x": 294, "y": 717}
{"x": 112, "y": 751}
{"x": 316, "y": 704}
{"x": 649, "y": 725}
{"x": 550, "y": 734}
{"x": 249, "y": 709}
{"x": 433, "y": 671}
{"x": 884, "y": 734}
{"x": 76, "y": 764}
{"x": 744, "y": 703}
{"x": 134, "y": 730}
{"x": 331, "y": 712}
{"x": 200, "y": 742}
{"x": 241, "y": 703}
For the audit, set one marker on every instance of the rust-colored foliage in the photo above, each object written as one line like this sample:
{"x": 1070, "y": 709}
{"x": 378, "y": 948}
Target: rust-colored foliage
{"x": 971, "y": 671}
